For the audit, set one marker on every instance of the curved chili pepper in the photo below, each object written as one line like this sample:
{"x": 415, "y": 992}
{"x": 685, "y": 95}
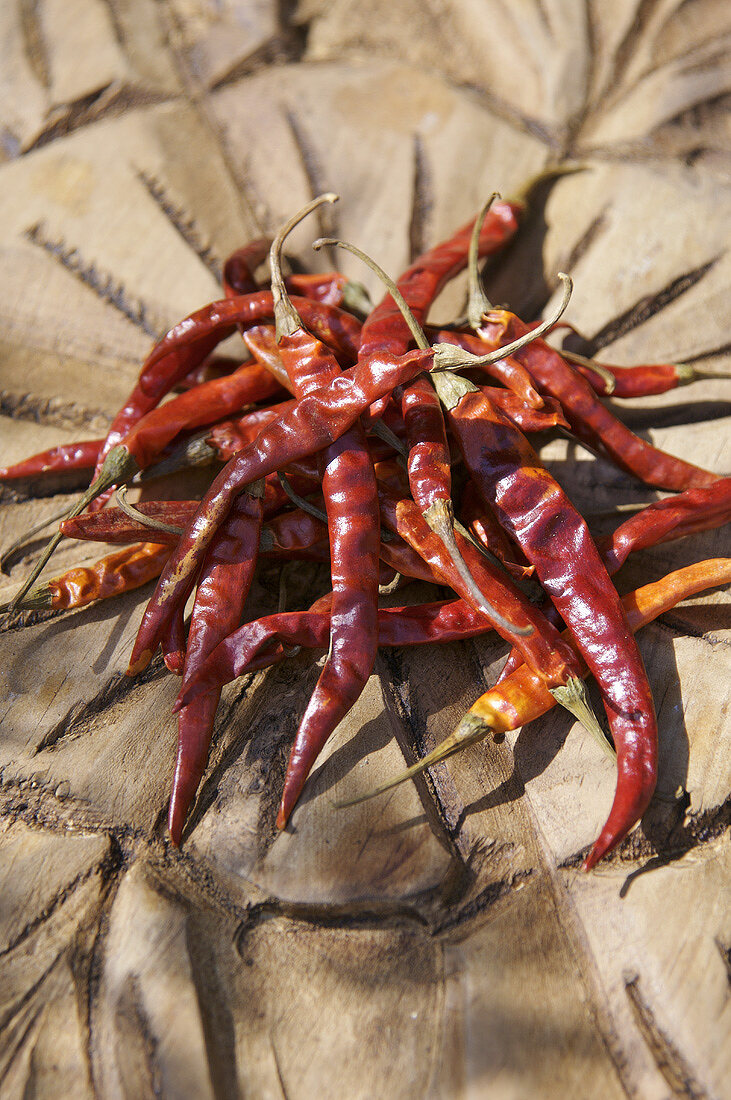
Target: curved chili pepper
{"x": 224, "y": 584}
{"x": 509, "y": 371}
{"x": 173, "y": 644}
{"x": 482, "y": 524}
{"x": 542, "y": 647}
{"x": 239, "y": 270}
{"x": 590, "y": 420}
{"x": 523, "y": 697}
{"x": 315, "y": 422}
{"x": 524, "y": 416}
{"x": 69, "y": 456}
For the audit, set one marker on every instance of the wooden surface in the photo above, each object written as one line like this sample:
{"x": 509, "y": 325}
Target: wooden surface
{"x": 441, "y": 941}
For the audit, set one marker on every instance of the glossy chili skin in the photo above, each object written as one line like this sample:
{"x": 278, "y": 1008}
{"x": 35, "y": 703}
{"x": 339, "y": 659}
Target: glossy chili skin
{"x": 385, "y": 329}
{"x": 543, "y": 649}
{"x": 429, "y": 467}
{"x": 482, "y": 524}
{"x": 68, "y": 456}
{"x": 205, "y": 404}
{"x": 590, "y": 420}
{"x": 522, "y": 697}
{"x": 538, "y": 515}
{"x": 351, "y": 501}
{"x": 239, "y": 270}
{"x": 224, "y": 583}
{"x": 524, "y": 416}
{"x": 315, "y": 422}
{"x": 417, "y": 624}
{"x": 187, "y": 344}
{"x": 114, "y": 574}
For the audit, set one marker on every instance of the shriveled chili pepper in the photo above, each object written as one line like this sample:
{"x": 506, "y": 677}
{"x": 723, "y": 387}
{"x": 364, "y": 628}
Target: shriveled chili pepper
{"x": 590, "y": 420}
{"x": 68, "y": 456}
{"x": 489, "y": 534}
{"x": 112, "y": 575}
{"x": 429, "y": 465}
{"x": 522, "y": 698}
{"x": 543, "y": 648}
{"x": 508, "y": 371}
{"x": 538, "y": 515}
{"x": 224, "y": 584}
{"x": 524, "y": 416}
{"x": 315, "y": 422}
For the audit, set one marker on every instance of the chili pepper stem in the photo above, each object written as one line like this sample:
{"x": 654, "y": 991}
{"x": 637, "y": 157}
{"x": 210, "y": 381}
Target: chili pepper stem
{"x": 606, "y": 375}
{"x": 470, "y": 730}
{"x": 119, "y": 465}
{"x": 478, "y": 302}
{"x": 572, "y": 696}
{"x": 440, "y": 517}
{"x": 286, "y": 318}
{"x": 139, "y": 517}
{"x": 39, "y": 598}
{"x": 24, "y": 538}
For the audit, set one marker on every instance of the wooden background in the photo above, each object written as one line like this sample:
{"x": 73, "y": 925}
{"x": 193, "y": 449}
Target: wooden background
{"x": 442, "y": 941}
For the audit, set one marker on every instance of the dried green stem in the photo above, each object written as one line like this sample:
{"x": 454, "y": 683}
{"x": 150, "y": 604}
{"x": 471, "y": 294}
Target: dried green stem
{"x": 478, "y": 302}
{"x": 286, "y": 318}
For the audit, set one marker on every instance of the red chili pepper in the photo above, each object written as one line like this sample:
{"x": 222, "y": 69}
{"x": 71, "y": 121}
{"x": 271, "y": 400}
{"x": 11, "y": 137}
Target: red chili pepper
{"x": 524, "y": 416}
{"x": 538, "y": 515}
{"x": 239, "y": 270}
{"x": 509, "y": 371}
{"x": 69, "y": 456}
{"x": 351, "y": 502}
{"x": 417, "y": 624}
{"x": 315, "y": 422}
{"x": 226, "y": 576}
{"x": 543, "y": 647}
{"x": 591, "y": 421}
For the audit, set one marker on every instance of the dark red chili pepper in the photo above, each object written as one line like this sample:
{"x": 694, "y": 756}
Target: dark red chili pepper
{"x": 508, "y": 371}
{"x": 590, "y": 420}
{"x": 239, "y": 270}
{"x": 418, "y": 624}
{"x": 525, "y": 417}
{"x": 538, "y": 515}
{"x": 224, "y": 584}
{"x": 69, "y": 456}
{"x": 543, "y": 647}
{"x": 482, "y": 524}
{"x": 351, "y": 502}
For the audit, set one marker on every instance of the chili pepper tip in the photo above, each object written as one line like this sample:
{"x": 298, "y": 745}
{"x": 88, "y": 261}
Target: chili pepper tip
{"x": 133, "y": 669}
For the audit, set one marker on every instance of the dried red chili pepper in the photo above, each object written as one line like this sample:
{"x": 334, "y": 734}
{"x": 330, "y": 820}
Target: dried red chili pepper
{"x": 417, "y": 624}
{"x": 523, "y": 697}
{"x": 351, "y": 502}
{"x": 239, "y": 270}
{"x": 224, "y": 584}
{"x": 69, "y": 456}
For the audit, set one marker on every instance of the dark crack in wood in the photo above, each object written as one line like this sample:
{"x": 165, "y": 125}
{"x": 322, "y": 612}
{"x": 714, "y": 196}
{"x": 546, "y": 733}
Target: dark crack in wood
{"x": 118, "y": 688}
{"x": 691, "y": 832}
{"x": 648, "y": 307}
{"x": 34, "y": 44}
{"x": 110, "y": 101}
{"x": 183, "y": 223}
{"x": 137, "y": 1044}
{"x": 586, "y": 240}
{"x": 630, "y": 43}
{"x": 51, "y": 410}
{"x": 103, "y": 284}
{"x": 675, "y": 1070}
{"x": 326, "y": 215}
{"x": 422, "y": 200}
{"x": 104, "y": 866}
{"x": 439, "y": 796}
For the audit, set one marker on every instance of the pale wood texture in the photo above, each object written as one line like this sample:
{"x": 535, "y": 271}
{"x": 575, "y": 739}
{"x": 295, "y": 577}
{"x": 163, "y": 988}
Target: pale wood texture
{"x": 441, "y": 941}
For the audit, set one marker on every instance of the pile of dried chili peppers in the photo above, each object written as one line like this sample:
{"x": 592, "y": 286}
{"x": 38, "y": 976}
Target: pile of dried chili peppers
{"x": 347, "y": 434}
